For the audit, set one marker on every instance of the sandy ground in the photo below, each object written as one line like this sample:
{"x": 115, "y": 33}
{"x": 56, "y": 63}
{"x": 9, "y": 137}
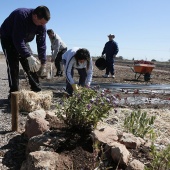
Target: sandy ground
{"x": 123, "y": 75}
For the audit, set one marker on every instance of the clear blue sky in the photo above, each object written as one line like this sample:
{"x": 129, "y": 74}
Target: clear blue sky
{"x": 141, "y": 27}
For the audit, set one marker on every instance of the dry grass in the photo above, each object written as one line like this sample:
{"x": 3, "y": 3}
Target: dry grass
{"x": 30, "y": 101}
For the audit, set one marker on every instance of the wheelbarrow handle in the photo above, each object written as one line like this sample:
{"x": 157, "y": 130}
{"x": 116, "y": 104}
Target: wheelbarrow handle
{"x": 131, "y": 68}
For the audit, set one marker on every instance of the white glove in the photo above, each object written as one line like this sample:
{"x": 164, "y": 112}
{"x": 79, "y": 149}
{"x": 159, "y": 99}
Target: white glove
{"x": 33, "y": 63}
{"x": 42, "y": 71}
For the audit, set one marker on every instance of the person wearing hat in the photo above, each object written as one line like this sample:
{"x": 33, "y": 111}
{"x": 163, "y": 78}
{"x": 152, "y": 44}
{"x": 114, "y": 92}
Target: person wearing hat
{"x": 58, "y": 48}
{"x": 110, "y": 50}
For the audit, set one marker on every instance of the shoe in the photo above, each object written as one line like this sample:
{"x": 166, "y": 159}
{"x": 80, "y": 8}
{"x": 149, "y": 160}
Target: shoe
{"x": 58, "y": 75}
{"x": 113, "y": 76}
{"x": 106, "y": 76}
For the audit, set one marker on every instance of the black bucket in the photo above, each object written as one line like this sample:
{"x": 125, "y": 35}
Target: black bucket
{"x": 100, "y": 63}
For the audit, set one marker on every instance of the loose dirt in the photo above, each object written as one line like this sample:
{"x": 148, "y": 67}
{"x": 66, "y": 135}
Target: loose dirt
{"x": 12, "y": 144}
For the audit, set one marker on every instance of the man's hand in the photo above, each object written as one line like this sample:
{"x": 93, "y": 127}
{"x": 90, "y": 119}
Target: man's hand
{"x": 42, "y": 71}
{"x": 33, "y": 63}
{"x": 75, "y": 87}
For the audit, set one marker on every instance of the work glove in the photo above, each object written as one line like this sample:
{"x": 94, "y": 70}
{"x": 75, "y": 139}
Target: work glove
{"x": 42, "y": 72}
{"x": 75, "y": 87}
{"x": 33, "y": 63}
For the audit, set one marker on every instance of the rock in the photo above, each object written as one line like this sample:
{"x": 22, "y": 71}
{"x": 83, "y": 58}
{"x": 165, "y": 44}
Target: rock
{"x": 135, "y": 165}
{"x": 130, "y": 141}
{"x": 35, "y": 125}
{"x": 105, "y": 134}
{"x": 41, "y": 160}
{"x": 119, "y": 153}
{"x": 37, "y": 114}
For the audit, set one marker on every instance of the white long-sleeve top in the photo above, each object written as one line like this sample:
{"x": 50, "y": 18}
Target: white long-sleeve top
{"x": 57, "y": 45}
{"x": 68, "y": 56}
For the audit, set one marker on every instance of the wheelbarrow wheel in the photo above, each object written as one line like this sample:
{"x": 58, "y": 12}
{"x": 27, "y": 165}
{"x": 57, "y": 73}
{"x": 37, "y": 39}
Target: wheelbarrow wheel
{"x": 147, "y": 76}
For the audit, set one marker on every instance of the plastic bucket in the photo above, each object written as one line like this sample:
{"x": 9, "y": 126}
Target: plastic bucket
{"x": 100, "y": 63}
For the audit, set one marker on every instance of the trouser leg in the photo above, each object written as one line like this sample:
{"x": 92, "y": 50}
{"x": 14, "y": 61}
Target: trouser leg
{"x": 69, "y": 88}
{"x": 107, "y": 67}
{"x": 83, "y": 75}
{"x": 12, "y": 61}
{"x": 110, "y": 65}
{"x": 58, "y": 62}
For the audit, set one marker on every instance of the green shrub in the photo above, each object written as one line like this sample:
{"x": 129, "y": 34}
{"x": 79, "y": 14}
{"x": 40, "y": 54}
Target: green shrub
{"x": 161, "y": 159}
{"x": 139, "y": 124}
{"x": 85, "y": 108}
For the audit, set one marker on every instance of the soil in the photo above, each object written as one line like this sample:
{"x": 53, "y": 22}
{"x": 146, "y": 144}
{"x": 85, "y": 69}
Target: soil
{"x": 78, "y": 148}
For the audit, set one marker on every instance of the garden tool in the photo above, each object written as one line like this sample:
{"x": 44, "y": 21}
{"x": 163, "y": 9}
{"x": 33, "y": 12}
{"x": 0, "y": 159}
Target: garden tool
{"x": 50, "y": 73}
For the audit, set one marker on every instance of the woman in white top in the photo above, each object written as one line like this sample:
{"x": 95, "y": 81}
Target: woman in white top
{"x": 77, "y": 58}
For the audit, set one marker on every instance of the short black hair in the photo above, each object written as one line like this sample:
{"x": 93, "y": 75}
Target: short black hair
{"x": 82, "y": 54}
{"x": 42, "y": 12}
{"x": 50, "y": 31}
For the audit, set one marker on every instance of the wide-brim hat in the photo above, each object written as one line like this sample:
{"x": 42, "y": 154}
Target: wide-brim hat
{"x": 111, "y": 35}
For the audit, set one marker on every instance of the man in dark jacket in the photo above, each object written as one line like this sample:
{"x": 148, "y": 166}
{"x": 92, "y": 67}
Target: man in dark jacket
{"x": 110, "y": 49}
{"x": 17, "y": 30}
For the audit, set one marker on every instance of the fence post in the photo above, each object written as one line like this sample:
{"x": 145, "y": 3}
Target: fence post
{"x": 14, "y": 110}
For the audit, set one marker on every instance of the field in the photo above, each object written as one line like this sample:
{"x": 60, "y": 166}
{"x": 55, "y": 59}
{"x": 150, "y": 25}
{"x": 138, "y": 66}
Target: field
{"x": 153, "y": 101}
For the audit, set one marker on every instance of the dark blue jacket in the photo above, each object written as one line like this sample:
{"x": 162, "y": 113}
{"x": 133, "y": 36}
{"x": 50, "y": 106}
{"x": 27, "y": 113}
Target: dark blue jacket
{"x": 19, "y": 28}
{"x": 110, "y": 49}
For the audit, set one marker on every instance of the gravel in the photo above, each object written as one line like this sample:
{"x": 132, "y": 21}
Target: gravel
{"x": 12, "y": 153}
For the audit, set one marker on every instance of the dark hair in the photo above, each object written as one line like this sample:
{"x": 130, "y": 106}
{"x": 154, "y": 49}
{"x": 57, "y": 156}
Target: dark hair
{"x": 42, "y": 12}
{"x": 82, "y": 54}
{"x": 50, "y": 31}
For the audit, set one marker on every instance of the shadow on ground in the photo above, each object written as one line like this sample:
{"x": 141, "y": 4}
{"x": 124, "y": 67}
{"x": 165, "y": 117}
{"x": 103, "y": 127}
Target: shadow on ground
{"x": 15, "y": 155}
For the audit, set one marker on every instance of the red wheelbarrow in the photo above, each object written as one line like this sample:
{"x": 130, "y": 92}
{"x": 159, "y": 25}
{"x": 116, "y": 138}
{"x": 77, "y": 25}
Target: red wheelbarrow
{"x": 144, "y": 68}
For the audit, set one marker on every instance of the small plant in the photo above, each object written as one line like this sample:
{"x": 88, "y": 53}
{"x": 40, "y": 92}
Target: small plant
{"x": 161, "y": 159}
{"x": 139, "y": 124}
{"x": 85, "y": 108}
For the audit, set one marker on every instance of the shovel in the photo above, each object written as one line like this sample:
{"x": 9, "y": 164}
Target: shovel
{"x": 50, "y": 73}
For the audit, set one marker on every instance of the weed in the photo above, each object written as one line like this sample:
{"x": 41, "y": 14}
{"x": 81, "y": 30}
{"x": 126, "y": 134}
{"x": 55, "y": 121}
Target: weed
{"x": 139, "y": 124}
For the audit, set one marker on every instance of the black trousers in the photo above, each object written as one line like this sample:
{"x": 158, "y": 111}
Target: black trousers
{"x": 110, "y": 65}
{"x": 12, "y": 60}
{"x": 58, "y": 62}
{"x": 83, "y": 75}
